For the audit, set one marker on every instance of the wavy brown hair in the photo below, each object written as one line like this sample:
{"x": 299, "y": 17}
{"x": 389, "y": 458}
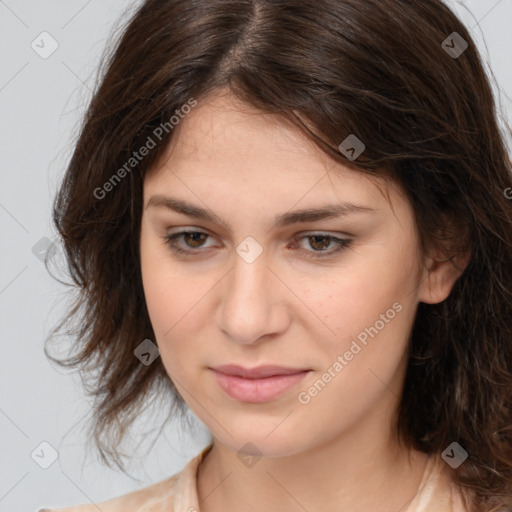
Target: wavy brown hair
{"x": 377, "y": 69}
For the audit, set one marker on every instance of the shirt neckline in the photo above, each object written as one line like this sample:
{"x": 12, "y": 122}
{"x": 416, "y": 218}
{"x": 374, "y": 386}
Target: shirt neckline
{"x": 434, "y": 489}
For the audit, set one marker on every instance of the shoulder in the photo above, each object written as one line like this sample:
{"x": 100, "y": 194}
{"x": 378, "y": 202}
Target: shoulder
{"x": 167, "y": 495}
{"x": 437, "y": 492}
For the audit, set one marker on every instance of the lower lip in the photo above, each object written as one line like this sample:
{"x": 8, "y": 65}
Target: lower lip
{"x": 257, "y": 390}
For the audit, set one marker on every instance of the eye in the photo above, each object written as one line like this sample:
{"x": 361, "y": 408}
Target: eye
{"x": 194, "y": 238}
{"x": 319, "y": 242}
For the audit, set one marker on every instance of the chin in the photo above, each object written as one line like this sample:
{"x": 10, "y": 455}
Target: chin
{"x": 249, "y": 443}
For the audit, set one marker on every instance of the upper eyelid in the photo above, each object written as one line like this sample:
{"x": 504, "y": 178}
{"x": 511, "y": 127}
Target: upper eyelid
{"x": 336, "y": 238}
{"x": 304, "y": 233}
{"x": 341, "y": 243}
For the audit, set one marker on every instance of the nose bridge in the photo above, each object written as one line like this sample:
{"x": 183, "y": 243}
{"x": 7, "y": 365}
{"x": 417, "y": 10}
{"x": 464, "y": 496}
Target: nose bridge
{"x": 250, "y": 272}
{"x": 247, "y": 300}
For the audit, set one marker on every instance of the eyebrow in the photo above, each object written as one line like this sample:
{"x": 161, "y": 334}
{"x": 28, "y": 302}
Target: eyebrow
{"x": 328, "y": 211}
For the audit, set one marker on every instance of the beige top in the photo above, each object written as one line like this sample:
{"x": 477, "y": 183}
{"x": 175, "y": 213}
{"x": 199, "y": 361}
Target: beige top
{"x": 178, "y": 493}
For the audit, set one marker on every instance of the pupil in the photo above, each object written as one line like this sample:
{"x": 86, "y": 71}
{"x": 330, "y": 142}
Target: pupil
{"x": 195, "y": 237}
{"x": 320, "y": 237}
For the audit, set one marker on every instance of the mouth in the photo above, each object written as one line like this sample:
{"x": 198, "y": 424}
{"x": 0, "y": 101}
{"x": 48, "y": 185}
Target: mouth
{"x": 257, "y": 385}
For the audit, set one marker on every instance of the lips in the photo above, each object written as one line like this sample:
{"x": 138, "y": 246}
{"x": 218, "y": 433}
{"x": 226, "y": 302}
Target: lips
{"x": 259, "y": 372}
{"x": 257, "y": 385}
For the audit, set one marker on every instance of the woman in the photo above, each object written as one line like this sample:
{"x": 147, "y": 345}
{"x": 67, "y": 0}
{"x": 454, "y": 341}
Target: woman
{"x": 293, "y": 217}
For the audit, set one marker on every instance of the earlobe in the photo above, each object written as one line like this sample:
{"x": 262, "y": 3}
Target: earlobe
{"x": 440, "y": 276}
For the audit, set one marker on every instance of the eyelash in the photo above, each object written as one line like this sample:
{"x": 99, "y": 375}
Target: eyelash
{"x": 343, "y": 243}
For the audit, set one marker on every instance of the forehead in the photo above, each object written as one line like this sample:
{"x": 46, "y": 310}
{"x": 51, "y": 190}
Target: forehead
{"x": 224, "y": 146}
{"x": 224, "y": 126}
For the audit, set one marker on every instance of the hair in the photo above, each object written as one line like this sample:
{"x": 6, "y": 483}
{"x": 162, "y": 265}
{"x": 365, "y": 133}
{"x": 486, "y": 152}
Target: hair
{"x": 333, "y": 68}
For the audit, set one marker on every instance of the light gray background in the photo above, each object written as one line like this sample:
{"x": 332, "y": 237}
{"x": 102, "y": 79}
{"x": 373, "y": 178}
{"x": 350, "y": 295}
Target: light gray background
{"x": 41, "y": 102}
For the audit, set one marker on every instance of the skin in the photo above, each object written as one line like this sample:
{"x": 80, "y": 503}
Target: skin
{"x": 339, "y": 451}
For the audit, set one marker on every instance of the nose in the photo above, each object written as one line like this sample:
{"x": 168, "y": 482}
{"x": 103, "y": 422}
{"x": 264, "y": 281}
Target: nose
{"x": 253, "y": 304}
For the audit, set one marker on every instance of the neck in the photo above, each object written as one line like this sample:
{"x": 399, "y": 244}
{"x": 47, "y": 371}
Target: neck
{"x": 345, "y": 473}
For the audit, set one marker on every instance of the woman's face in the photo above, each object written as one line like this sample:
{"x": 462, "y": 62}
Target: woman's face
{"x": 264, "y": 281}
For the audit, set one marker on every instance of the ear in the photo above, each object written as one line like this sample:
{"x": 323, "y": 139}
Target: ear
{"x": 439, "y": 275}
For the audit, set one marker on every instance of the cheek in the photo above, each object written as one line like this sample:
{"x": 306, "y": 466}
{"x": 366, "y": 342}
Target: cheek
{"x": 176, "y": 306}
{"x": 163, "y": 292}
{"x": 156, "y": 292}
{"x": 168, "y": 315}
{"x": 366, "y": 316}
{"x": 363, "y": 360}
{"x": 355, "y": 300}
